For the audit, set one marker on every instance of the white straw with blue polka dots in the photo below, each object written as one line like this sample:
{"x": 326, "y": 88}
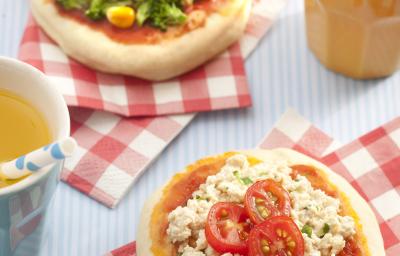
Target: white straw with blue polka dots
{"x": 37, "y": 159}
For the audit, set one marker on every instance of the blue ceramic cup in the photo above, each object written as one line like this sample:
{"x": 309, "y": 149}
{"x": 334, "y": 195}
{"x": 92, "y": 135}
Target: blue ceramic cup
{"x": 23, "y": 205}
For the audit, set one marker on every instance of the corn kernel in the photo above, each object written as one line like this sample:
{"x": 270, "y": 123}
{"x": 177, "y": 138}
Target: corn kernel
{"x": 121, "y": 16}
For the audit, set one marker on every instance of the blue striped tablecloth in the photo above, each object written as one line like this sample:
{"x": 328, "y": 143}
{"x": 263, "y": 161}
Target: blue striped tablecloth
{"x": 282, "y": 73}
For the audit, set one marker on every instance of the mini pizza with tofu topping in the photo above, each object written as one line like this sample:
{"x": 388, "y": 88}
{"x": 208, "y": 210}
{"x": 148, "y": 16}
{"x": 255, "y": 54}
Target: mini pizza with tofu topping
{"x": 149, "y": 39}
{"x": 258, "y": 203}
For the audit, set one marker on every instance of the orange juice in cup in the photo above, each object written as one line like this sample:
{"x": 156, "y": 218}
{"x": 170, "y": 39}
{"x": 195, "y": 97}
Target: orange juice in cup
{"x": 22, "y": 130}
{"x": 358, "y": 38}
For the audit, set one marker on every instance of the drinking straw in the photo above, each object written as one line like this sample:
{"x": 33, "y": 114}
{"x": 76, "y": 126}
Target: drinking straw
{"x": 35, "y": 160}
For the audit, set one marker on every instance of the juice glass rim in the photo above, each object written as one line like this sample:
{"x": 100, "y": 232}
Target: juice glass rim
{"x": 59, "y": 106}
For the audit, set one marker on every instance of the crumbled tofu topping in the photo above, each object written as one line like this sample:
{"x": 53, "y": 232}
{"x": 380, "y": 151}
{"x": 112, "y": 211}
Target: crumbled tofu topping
{"x": 311, "y": 207}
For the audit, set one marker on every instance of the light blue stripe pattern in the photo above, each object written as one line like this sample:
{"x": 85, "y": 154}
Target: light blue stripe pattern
{"x": 56, "y": 152}
{"x": 281, "y": 72}
{"x": 20, "y": 162}
{"x": 32, "y": 167}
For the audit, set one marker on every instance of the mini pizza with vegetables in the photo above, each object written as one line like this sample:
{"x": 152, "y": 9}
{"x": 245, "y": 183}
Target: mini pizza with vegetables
{"x": 149, "y": 39}
{"x": 258, "y": 203}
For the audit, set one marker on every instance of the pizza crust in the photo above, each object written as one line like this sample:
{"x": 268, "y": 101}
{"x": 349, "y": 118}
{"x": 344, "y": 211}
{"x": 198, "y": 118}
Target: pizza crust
{"x": 143, "y": 240}
{"x": 366, "y": 216}
{"x": 161, "y": 61}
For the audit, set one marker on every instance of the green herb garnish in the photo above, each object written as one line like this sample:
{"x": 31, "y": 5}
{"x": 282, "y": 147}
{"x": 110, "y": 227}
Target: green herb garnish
{"x": 307, "y": 230}
{"x": 325, "y": 229}
{"x": 201, "y": 198}
{"x": 247, "y": 181}
{"x": 243, "y": 180}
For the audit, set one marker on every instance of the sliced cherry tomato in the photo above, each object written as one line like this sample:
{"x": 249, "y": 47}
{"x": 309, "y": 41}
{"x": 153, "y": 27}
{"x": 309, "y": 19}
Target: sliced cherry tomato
{"x": 227, "y": 228}
{"x": 350, "y": 249}
{"x": 277, "y": 236}
{"x": 265, "y": 199}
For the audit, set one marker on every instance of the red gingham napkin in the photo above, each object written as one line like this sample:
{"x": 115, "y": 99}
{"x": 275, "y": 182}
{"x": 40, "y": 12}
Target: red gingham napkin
{"x": 370, "y": 163}
{"x": 220, "y": 84}
{"x": 293, "y": 131}
{"x": 113, "y": 151}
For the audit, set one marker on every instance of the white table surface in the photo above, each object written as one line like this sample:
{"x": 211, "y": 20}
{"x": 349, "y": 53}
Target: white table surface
{"x": 282, "y": 73}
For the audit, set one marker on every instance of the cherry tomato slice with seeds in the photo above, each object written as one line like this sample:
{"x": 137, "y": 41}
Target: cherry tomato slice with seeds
{"x": 265, "y": 199}
{"x": 227, "y": 228}
{"x": 277, "y": 236}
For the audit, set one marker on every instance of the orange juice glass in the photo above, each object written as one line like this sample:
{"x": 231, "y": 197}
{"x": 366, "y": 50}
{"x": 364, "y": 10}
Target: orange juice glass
{"x": 358, "y": 38}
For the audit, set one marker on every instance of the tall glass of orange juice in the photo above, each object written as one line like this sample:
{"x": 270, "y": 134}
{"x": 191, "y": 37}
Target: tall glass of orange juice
{"x": 358, "y": 38}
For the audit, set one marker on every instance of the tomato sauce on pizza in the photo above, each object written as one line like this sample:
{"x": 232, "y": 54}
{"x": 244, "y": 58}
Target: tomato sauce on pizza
{"x": 179, "y": 191}
{"x": 319, "y": 181}
{"x": 177, "y": 194}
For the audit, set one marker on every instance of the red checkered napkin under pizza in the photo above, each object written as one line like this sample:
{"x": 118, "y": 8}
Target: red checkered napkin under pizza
{"x": 258, "y": 203}
{"x": 150, "y": 39}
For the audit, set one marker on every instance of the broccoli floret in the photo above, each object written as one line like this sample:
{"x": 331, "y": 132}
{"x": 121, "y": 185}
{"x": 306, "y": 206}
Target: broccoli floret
{"x": 161, "y": 13}
{"x": 96, "y": 10}
{"x": 143, "y": 12}
{"x": 158, "y": 13}
{"x": 165, "y": 14}
{"x": 74, "y": 4}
